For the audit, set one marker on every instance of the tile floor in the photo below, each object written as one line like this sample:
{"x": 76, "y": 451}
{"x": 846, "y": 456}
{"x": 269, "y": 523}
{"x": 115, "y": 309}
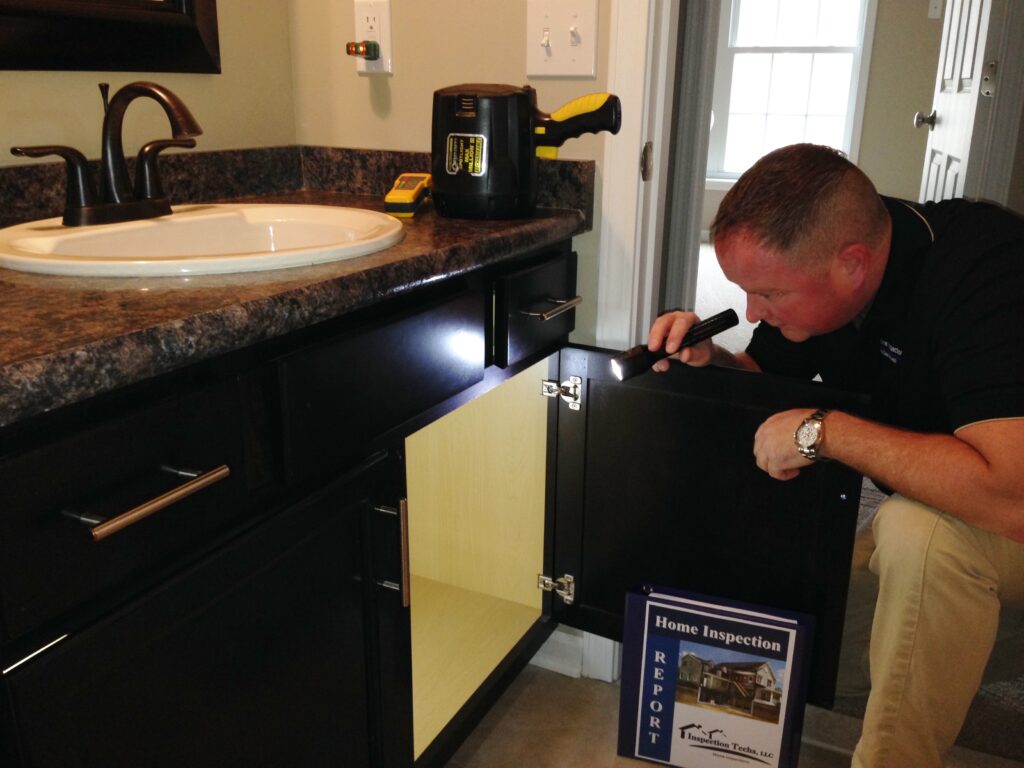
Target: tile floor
{"x": 547, "y": 720}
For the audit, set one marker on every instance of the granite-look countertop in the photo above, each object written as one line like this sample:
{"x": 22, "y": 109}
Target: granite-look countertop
{"x": 66, "y": 339}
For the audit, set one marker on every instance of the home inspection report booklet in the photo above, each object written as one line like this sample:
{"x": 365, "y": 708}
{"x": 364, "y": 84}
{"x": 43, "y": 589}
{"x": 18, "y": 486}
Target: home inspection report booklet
{"x": 710, "y": 683}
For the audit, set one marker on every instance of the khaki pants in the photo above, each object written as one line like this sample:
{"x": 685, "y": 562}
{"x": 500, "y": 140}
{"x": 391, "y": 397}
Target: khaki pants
{"x": 941, "y": 584}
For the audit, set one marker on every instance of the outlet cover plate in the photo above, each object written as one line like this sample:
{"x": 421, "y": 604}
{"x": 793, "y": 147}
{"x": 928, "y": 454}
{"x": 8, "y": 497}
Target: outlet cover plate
{"x": 373, "y": 22}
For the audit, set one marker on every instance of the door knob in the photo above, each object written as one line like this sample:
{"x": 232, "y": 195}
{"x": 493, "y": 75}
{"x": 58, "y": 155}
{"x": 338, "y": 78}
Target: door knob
{"x": 920, "y": 120}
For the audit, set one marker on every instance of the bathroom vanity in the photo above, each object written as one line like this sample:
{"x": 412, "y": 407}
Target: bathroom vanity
{"x": 370, "y": 491}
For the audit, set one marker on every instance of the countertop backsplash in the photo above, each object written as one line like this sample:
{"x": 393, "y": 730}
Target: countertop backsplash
{"x": 31, "y": 192}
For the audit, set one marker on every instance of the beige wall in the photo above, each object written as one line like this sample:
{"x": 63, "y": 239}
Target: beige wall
{"x": 436, "y": 44}
{"x": 249, "y": 105}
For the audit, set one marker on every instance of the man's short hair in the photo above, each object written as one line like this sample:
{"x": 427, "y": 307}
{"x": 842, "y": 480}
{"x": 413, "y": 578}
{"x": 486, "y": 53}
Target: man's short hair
{"x": 804, "y": 200}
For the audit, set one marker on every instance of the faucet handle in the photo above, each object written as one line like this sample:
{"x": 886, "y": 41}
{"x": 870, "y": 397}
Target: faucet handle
{"x": 105, "y": 93}
{"x": 147, "y": 177}
{"x": 81, "y": 190}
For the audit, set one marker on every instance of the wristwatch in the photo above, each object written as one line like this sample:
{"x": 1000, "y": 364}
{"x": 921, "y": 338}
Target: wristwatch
{"x": 810, "y": 435}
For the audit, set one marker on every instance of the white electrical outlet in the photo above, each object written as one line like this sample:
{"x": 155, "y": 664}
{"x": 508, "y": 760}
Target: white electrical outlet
{"x": 373, "y": 23}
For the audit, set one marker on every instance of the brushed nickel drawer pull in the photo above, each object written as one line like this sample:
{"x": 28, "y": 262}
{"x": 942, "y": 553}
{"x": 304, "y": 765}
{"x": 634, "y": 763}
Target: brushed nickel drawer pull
{"x": 180, "y": 471}
{"x": 403, "y": 524}
{"x": 101, "y": 529}
{"x": 402, "y": 513}
{"x": 562, "y": 305}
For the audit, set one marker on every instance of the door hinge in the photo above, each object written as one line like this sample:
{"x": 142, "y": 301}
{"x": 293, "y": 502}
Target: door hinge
{"x": 990, "y": 79}
{"x": 571, "y": 391}
{"x": 563, "y": 586}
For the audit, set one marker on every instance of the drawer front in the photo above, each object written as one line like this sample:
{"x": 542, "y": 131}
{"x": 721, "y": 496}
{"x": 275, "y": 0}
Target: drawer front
{"x": 340, "y": 395}
{"x": 174, "y": 464}
{"x": 534, "y": 309}
{"x": 254, "y": 656}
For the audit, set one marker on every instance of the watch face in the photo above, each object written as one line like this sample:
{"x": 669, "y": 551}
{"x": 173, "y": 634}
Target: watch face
{"x": 807, "y": 434}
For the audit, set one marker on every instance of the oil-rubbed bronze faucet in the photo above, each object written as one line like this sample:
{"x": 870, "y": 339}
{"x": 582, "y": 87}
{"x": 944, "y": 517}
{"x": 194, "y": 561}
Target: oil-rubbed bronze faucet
{"x": 116, "y": 199}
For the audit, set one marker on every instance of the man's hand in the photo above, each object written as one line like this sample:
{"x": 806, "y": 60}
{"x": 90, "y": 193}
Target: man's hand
{"x": 668, "y": 331}
{"x": 774, "y": 448}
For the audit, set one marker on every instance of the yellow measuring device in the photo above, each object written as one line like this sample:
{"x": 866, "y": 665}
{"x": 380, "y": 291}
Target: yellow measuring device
{"x": 408, "y": 192}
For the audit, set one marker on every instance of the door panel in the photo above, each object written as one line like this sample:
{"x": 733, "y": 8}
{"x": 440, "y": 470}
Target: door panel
{"x": 657, "y": 484}
{"x": 959, "y": 111}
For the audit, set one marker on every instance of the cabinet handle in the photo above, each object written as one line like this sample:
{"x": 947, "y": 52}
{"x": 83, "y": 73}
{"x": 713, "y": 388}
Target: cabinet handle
{"x": 562, "y": 305}
{"x": 403, "y": 526}
{"x": 107, "y": 528}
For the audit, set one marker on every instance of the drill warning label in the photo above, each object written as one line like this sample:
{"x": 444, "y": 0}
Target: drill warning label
{"x": 466, "y": 152}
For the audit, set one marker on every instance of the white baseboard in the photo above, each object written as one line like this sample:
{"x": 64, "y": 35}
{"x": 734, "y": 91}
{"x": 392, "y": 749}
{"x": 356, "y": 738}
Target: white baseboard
{"x": 602, "y": 658}
{"x": 574, "y": 653}
{"x": 562, "y": 652}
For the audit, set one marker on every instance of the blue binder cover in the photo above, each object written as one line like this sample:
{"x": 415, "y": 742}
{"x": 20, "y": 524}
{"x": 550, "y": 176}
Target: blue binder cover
{"x": 705, "y": 679}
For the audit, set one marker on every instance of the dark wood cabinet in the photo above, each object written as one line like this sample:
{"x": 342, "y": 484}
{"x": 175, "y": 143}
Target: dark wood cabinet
{"x": 656, "y": 484}
{"x": 340, "y": 394}
{"x": 364, "y": 582}
{"x": 262, "y": 620}
{"x": 56, "y": 493}
{"x": 651, "y": 481}
{"x": 253, "y": 656}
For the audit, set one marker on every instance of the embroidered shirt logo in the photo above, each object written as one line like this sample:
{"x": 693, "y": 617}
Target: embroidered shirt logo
{"x": 890, "y": 352}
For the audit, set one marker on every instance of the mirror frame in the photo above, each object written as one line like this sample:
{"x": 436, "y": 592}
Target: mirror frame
{"x": 110, "y": 35}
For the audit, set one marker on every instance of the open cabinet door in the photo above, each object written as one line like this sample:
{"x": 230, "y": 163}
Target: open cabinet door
{"x": 656, "y": 484}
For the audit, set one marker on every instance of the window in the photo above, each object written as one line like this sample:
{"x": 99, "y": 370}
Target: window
{"x": 787, "y": 71}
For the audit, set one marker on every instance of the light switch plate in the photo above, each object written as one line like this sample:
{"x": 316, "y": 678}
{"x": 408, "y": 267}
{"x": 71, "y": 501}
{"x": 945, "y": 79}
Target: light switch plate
{"x": 561, "y": 38}
{"x": 373, "y": 22}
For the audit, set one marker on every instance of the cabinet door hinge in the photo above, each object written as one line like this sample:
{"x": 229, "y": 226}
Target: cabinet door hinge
{"x": 564, "y": 586}
{"x": 571, "y": 391}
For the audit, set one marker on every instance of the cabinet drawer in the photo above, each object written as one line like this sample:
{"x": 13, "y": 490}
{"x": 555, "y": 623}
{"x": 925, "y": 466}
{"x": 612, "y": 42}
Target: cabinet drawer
{"x": 253, "y": 656}
{"x": 52, "y": 555}
{"x": 340, "y": 395}
{"x": 534, "y": 309}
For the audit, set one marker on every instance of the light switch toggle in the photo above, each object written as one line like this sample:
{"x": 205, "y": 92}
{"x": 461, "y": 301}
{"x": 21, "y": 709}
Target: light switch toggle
{"x": 545, "y": 41}
{"x": 365, "y": 49}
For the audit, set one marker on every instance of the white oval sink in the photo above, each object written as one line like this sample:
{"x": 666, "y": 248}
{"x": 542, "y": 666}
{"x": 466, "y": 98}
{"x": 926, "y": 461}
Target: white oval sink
{"x": 200, "y": 239}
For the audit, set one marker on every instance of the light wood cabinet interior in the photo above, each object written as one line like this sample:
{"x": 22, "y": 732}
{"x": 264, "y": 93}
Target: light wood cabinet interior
{"x": 475, "y": 481}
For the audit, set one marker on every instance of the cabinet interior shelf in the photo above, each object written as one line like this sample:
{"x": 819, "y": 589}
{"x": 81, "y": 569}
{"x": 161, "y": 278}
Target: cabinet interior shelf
{"x": 458, "y": 638}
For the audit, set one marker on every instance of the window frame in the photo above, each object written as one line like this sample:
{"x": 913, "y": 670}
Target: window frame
{"x": 723, "y": 84}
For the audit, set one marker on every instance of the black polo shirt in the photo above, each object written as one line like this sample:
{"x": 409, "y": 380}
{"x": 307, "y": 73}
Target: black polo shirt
{"x": 942, "y": 345}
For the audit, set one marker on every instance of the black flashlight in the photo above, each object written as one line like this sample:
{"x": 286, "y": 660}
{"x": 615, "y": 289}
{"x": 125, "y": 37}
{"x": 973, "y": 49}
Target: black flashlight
{"x": 634, "y": 361}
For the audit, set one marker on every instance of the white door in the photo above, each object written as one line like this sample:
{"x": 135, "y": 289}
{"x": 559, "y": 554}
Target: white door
{"x": 956, "y": 103}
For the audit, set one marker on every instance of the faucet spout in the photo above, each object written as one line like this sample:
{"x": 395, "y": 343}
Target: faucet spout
{"x": 116, "y": 186}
